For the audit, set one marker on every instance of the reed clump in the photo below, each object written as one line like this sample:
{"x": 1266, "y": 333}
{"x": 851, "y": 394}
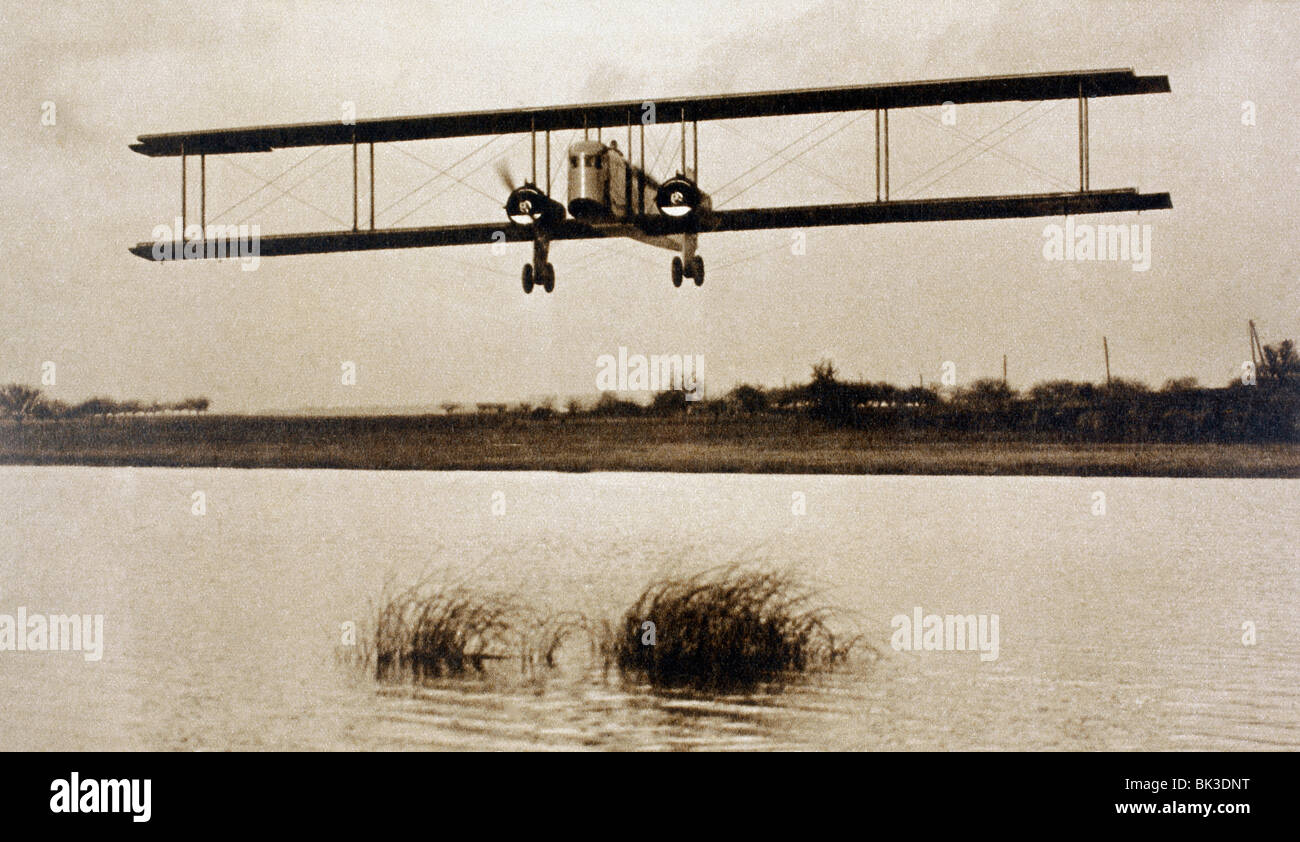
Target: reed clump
{"x": 435, "y": 629}
{"x": 429, "y": 631}
{"x": 728, "y": 628}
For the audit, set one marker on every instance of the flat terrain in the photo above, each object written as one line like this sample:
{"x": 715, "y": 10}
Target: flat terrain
{"x": 762, "y": 444}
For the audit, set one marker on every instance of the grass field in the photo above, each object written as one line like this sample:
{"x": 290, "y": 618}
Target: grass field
{"x": 757, "y": 444}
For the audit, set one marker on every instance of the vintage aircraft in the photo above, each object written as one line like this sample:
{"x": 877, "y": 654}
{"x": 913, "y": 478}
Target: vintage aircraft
{"x": 610, "y": 195}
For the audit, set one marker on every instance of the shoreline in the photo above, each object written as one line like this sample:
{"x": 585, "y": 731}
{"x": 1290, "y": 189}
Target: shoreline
{"x": 761, "y": 445}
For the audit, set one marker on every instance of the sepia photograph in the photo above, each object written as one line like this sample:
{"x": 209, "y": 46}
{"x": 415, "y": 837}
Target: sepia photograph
{"x": 709, "y": 376}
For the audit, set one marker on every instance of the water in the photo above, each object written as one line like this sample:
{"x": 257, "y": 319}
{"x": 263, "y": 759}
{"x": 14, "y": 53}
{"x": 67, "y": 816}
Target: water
{"x": 1118, "y": 631}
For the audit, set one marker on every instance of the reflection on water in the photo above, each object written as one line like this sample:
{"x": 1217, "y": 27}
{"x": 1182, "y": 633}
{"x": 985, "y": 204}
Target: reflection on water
{"x": 222, "y": 631}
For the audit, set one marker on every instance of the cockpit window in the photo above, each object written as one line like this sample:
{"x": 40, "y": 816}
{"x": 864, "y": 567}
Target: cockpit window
{"x": 587, "y": 159}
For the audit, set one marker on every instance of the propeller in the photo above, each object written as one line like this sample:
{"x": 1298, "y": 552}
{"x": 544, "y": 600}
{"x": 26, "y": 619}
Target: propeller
{"x": 527, "y": 204}
{"x": 503, "y": 172}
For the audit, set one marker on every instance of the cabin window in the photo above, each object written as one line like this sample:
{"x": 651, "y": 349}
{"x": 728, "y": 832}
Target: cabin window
{"x": 573, "y": 160}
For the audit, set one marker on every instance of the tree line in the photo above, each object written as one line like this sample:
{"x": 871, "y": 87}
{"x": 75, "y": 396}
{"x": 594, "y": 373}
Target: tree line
{"x": 21, "y": 402}
{"x": 1267, "y": 409}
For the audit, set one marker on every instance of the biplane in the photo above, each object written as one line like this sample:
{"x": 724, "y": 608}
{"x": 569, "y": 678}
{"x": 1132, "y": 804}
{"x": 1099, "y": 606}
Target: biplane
{"x": 611, "y": 193}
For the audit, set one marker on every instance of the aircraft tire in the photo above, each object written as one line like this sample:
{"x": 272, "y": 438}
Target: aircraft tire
{"x": 548, "y": 278}
{"x": 677, "y": 271}
{"x": 528, "y": 277}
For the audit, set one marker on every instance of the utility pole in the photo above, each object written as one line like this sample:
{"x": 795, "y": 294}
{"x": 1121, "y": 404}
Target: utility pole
{"x": 1004, "y": 369}
{"x": 1105, "y": 349}
{"x": 1256, "y": 348}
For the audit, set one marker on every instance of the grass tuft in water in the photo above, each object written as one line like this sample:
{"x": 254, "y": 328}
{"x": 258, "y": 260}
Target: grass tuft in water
{"x": 435, "y": 629}
{"x": 728, "y": 628}
{"x": 429, "y": 631}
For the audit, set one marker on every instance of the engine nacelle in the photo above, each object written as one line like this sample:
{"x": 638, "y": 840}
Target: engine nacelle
{"x": 528, "y": 205}
{"x": 678, "y": 197}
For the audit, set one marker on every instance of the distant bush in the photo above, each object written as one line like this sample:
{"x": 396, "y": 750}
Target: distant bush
{"x": 986, "y": 393}
{"x": 671, "y": 402}
{"x": 1179, "y": 384}
{"x": 610, "y": 405}
{"x": 1124, "y": 388}
{"x": 1063, "y": 393}
{"x": 750, "y": 399}
{"x": 19, "y": 401}
{"x": 1281, "y": 363}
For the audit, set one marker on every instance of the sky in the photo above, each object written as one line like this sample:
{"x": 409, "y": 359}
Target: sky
{"x": 424, "y": 326}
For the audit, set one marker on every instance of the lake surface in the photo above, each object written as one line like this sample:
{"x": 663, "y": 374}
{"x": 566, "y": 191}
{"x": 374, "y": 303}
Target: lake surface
{"x": 223, "y": 631}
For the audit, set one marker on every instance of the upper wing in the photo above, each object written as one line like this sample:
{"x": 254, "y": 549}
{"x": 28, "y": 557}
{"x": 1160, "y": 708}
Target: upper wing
{"x": 1034, "y": 86}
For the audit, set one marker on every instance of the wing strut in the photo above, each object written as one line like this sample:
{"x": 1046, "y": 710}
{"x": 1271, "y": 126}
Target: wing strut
{"x": 882, "y": 145}
{"x": 695, "y": 149}
{"x": 683, "y": 124}
{"x": 1083, "y": 141}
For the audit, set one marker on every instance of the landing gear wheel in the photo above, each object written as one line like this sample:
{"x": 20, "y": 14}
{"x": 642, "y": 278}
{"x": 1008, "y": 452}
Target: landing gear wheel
{"x": 697, "y": 270}
{"x": 548, "y": 278}
{"x": 528, "y": 277}
{"x": 677, "y": 271}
